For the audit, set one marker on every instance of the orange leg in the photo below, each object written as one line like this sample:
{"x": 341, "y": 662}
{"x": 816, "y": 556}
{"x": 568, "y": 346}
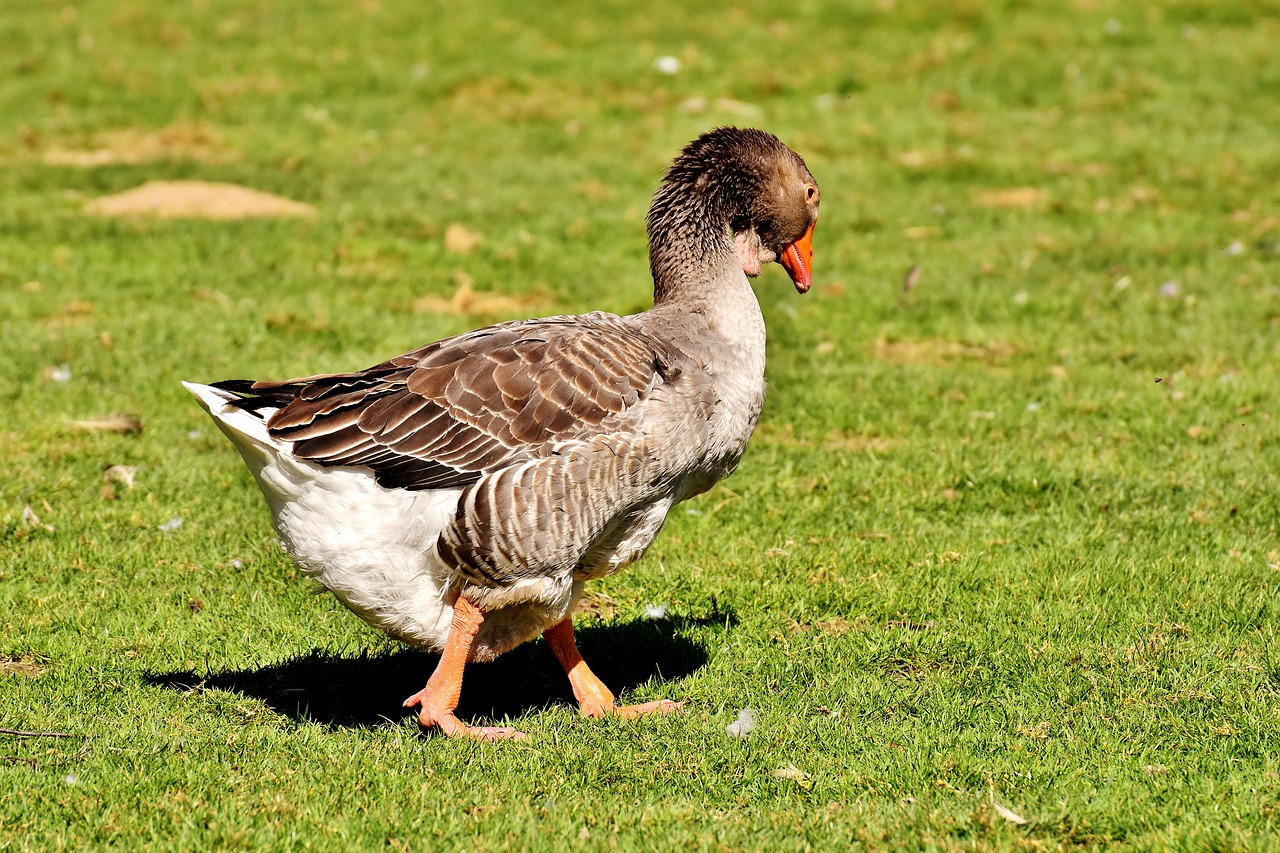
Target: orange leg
{"x": 594, "y": 699}
{"x": 440, "y": 697}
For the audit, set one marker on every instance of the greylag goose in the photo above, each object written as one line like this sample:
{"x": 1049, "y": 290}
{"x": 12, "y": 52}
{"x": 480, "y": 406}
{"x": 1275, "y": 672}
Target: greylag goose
{"x": 459, "y": 496}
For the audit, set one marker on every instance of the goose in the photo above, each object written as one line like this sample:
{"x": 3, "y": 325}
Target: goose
{"x": 459, "y": 496}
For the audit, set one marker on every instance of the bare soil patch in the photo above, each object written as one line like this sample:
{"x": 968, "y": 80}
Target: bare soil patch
{"x": 196, "y": 200}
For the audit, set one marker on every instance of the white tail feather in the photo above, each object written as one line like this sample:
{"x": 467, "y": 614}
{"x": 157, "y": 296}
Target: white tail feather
{"x": 247, "y": 430}
{"x": 372, "y": 547}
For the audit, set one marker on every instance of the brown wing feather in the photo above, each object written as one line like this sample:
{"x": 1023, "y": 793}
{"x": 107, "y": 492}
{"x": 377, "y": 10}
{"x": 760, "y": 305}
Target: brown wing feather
{"x": 448, "y": 413}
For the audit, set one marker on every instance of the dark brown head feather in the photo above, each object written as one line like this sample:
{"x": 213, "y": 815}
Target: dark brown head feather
{"x": 728, "y": 180}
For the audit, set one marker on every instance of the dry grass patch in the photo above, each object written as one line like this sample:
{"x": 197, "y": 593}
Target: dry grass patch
{"x": 938, "y": 351}
{"x": 467, "y": 301}
{"x": 20, "y": 666}
{"x": 1012, "y": 197}
{"x": 214, "y": 94}
{"x": 118, "y": 422}
{"x": 131, "y": 146}
{"x": 461, "y": 240}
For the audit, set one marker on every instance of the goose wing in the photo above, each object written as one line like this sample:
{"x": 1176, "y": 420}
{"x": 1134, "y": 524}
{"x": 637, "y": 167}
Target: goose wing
{"x": 448, "y": 413}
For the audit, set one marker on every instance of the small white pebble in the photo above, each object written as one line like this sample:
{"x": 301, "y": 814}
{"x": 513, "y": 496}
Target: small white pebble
{"x": 824, "y": 102}
{"x": 1236, "y": 248}
{"x": 1123, "y": 282}
{"x": 742, "y": 726}
{"x": 194, "y": 435}
{"x": 655, "y": 612}
{"x": 61, "y": 373}
{"x": 694, "y": 511}
{"x": 1021, "y": 297}
{"x": 236, "y": 563}
{"x": 1170, "y": 290}
{"x": 1112, "y": 27}
{"x": 70, "y": 779}
{"x": 666, "y": 65}
{"x": 1033, "y": 407}
{"x": 170, "y": 525}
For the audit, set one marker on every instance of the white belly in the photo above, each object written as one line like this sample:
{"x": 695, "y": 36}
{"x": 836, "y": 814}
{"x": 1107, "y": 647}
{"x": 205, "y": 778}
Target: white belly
{"x": 374, "y": 548}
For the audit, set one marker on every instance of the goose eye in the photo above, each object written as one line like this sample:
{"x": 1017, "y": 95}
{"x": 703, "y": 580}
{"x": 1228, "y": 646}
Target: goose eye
{"x": 810, "y": 193}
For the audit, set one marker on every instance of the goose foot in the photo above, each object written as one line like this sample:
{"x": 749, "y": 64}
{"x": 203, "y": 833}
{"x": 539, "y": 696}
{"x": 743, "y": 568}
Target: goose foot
{"x": 594, "y": 698}
{"x": 435, "y": 717}
{"x": 440, "y": 697}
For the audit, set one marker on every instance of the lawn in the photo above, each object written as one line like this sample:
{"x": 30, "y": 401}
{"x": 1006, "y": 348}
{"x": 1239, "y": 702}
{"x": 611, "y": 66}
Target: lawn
{"x": 996, "y": 571}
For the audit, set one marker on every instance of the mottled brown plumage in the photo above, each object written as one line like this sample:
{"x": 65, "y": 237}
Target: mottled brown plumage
{"x": 449, "y": 413}
{"x": 459, "y": 496}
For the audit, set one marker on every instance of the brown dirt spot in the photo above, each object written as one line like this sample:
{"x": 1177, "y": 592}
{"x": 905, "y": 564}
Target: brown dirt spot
{"x": 1091, "y": 170}
{"x": 196, "y": 200}
{"x": 839, "y": 626}
{"x": 18, "y": 666}
{"x": 940, "y": 351}
{"x": 461, "y": 240}
{"x": 123, "y": 423}
{"x": 71, "y": 313}
{"x": 500, "y": 98}
{"x": 466, "y": 301}
{"x": 131, "y": 146}
{"x": 1012, "y": 197}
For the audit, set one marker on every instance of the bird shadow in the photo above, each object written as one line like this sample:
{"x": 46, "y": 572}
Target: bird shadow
{"x": 359, "y": 691}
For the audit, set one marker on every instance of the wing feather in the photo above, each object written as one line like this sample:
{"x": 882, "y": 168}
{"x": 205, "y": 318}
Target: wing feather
{"x": 446, "y": 414}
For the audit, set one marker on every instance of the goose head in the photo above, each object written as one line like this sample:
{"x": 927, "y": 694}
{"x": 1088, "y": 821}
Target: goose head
{"x": 733, "y": 192}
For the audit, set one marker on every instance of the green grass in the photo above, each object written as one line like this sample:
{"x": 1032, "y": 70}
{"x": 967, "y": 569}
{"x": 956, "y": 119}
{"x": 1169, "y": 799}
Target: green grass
{"x": 1010, "y": 537}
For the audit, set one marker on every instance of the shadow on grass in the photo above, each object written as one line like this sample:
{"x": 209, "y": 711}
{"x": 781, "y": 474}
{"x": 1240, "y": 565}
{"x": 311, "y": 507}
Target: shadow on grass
{"x": 342, "y": 691}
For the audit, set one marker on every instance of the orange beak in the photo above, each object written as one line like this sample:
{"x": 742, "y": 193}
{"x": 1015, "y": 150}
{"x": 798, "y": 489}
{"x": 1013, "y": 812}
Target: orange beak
{"x": 797, "y": 260}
